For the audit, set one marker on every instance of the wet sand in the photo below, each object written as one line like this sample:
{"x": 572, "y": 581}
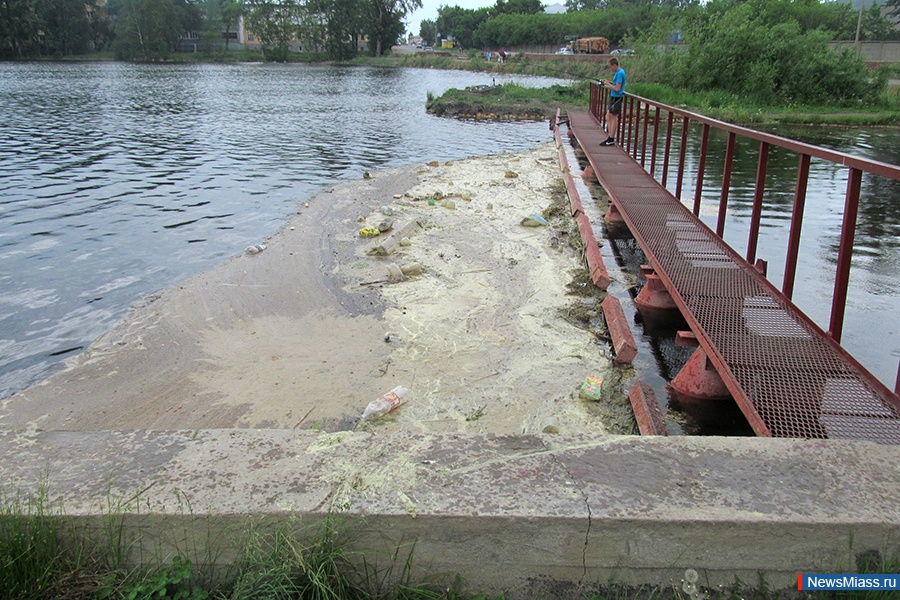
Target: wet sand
{"x": 295, "y": 336}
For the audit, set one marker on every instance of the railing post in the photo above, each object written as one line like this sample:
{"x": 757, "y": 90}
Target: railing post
{"x": 655, "y": 144}
{"x": 793, "y": 250}
{"x": 636, "y": 109}
{"x": 682, "y": 156}
{"x": 756, "y": 215}
{"x": 667, "y": 151}
{"x": 644, "y": 145}
{"x": 726, "y": 184}
{"x": 628, "y": 125}
{"x": 897, "y": 385}
{"x": 845, "y": 254}
{"x": 637, "y": 129}
{"x": 701, "y": 169}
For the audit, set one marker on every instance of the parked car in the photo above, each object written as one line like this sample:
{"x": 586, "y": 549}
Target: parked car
{"x": 564, "y": 51}
{"x": 428, "y": 49}
{"x": 622, "y": 52}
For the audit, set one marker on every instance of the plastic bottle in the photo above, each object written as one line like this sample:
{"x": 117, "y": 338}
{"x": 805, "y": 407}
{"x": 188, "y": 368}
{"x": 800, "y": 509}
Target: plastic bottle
{"x": 385, "y": 404}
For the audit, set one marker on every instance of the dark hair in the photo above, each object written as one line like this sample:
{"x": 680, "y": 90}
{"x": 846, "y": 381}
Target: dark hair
{"x": 613, "y": 61}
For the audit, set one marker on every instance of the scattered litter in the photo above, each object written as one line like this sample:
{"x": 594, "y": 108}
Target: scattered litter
{"x": 490, "y": 206}
{"x": 385, "y": 404}
{"x": 434, "y": 163}
{"x": 550, "y": 426}
{"x": 397, "y": 196}
{"x": 535, "y": 220}
{"x": 406, "y": 242}
{"x": 591, "y": 388}
{"x": 412, "y": 269}
{"x": 431, "y": 202}
{"x": 369, "y": 232}
{"x": 449, "y": 204}
{"x": 389, "y": 339}
{"x": 367, "y": 175}
{"x": 395, "y": 273}
{"x": 391, "y": 243}
{"x": 255, "y": 248}
{"x": 510, "y": 174}
{"x": 476, "y": 414}
{"x": 306, "y": 205}
{"x": 467, "y": 196}
{"x": 293, "y": 228}
{"x": 386, "y": 225}
{"x": 387, "y": 211}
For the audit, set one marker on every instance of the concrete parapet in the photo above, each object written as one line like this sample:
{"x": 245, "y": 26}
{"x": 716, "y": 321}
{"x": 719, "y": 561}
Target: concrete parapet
{"x": 526, "y": 516}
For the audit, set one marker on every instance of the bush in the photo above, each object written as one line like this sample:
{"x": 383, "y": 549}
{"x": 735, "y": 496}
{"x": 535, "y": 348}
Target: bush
{"x": 740, "y": 52}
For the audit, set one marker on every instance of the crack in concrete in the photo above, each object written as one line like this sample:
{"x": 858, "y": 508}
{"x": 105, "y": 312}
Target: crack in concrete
{"x": 587, "y": 505}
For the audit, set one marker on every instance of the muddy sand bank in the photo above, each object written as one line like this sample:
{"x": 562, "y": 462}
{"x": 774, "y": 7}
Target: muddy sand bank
{"x": 307, "y": 332}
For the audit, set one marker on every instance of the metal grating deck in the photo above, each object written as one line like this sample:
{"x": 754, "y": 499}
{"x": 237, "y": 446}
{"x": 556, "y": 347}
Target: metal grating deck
{"x": 788, "y": 377}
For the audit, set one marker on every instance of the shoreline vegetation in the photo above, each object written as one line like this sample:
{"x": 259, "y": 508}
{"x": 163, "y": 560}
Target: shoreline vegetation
{"x": 514, "y": 102}
{"x": 48, "y": 555}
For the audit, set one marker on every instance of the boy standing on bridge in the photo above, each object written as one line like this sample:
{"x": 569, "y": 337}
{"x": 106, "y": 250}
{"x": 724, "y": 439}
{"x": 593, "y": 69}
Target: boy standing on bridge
{"x": 616, "y": 93}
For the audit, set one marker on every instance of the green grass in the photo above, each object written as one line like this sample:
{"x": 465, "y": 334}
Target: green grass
{"x": 508, "y": 100}
{"x": 44, "y": 556}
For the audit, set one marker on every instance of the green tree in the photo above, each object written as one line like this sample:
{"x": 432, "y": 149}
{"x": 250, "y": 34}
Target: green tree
{"x": 275, "y": 25}
{"x": 428, "y": 32}
{"x": 751, "y": 53}
{"x": 147, "y": 29}
{"x": 337, "y": 23}
{"x": 230, "y": 12}
{"x": 66, "y": 27}
{"x": 383, "y": 22}
{"x": 18, "y": 28}
{"x": 523, "y": 7}
{"x": 460, "y": 23}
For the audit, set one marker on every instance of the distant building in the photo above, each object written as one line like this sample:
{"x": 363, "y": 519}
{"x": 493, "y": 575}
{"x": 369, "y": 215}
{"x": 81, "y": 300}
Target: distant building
{"x": 554, "y": 9}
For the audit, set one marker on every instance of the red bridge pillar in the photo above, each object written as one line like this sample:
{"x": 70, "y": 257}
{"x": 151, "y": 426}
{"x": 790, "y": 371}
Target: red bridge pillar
{"x": 698, "y": 380}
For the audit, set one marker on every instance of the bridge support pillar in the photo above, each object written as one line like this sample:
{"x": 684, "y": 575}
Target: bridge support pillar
{"x": 613, "y": 216}
{"x": 588, "y": 175}
{"x": 654, "y": 296}
{"x": 698, "y": 380}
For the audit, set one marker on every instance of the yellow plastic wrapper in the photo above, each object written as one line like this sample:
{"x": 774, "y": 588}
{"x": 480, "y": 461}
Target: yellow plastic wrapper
{"x": 368, "y": 232}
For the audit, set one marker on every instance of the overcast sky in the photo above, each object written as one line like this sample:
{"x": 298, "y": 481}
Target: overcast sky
{"x": 430, "y": 7}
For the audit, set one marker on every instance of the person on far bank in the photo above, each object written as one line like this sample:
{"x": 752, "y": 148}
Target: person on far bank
{"x": 616, "y": 93}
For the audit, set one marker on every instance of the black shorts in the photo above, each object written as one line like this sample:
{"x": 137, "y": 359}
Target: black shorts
{"x": 615, "y": 105}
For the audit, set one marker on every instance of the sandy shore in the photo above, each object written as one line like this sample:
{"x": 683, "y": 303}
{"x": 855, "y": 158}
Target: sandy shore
{"x": 295, "y": 336}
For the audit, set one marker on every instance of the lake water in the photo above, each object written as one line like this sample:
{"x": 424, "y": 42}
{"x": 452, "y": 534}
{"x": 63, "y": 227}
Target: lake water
{"x": 118, "y": 180}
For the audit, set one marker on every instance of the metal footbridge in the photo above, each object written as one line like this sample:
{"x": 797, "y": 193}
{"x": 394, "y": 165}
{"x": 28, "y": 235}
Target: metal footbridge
{"x": 788, "y": 376}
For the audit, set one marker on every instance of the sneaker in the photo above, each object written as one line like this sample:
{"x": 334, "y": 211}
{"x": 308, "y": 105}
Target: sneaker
{"x": 609, "y": 142}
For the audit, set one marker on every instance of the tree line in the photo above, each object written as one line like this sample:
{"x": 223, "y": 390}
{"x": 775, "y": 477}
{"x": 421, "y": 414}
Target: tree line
{"x": 767, "y": 52}
{"x": 152, "y": 29}
{"x": 512, "y": 23}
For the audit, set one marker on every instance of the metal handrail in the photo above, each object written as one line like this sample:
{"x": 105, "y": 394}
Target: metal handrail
{"x": 632, "y": 124}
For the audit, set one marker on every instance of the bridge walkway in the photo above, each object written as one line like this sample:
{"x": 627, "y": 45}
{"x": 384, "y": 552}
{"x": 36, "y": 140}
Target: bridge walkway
{"x": 789, "y": 378}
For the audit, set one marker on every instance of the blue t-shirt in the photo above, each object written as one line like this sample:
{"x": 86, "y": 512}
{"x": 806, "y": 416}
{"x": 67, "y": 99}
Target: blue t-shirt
{"x": 619, "y": 76}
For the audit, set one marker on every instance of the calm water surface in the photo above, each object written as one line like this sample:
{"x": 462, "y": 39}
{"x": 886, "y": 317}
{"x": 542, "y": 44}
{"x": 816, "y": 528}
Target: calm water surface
{"x": 117, "y": 180}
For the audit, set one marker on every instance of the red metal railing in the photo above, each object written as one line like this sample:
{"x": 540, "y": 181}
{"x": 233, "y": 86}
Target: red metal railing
{"x": 633, "y": 133}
